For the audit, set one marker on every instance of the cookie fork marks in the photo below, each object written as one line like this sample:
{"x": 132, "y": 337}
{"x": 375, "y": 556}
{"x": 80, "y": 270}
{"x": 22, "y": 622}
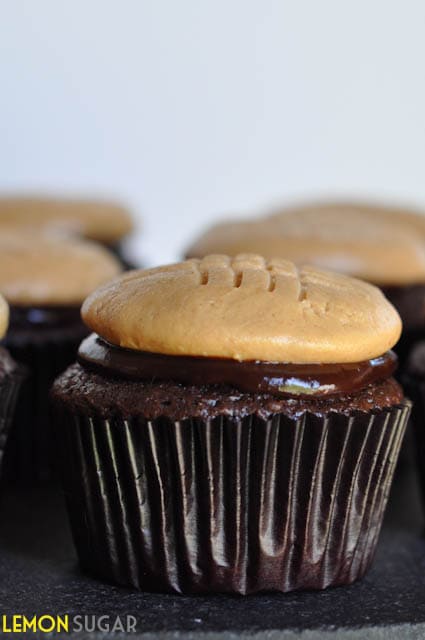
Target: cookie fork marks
{"x": 245, "y": 308}
{"x": 204, "y": 277}
{"x": 272, "y": 280}
{"x": 238, "y": 279}
{"x": 250, "y": 270}
{"x": 302, "y": 293}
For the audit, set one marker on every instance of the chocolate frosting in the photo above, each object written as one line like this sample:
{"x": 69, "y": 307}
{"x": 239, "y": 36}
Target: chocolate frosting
{"x": 22, "y": 317}
{"x": 282, "y": 379}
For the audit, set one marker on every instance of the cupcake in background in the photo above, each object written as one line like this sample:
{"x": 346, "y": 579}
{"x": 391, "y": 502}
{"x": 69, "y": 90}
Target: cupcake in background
{"x": 108, "y": 223}
{"x": 414, "y": 382}
{"x": 45, "y": 280}
{"x": 407, "y": 217}
{"x": 375, "y": 243}
{"x": 407, "y": 292}
{"x": 11, "y": 377}
{"x": 204, "y": 449}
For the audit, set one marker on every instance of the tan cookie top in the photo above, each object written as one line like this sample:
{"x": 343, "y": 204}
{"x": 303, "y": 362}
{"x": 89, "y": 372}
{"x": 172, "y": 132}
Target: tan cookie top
{"x": 4, "y": 316}
{"x": 106, "y": 222}
{"x": 344, "y": 239}
{"x": 41, "y": 270}
{"x": 245, "y": 308}
{"x": 408, "y": 219}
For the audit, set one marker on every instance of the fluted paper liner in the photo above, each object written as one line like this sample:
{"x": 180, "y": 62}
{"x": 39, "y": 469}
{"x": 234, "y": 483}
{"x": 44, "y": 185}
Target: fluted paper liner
{"x": 9, "y": 389}
{"x": 228, "y": 505}
{"x": 29, "y": 452}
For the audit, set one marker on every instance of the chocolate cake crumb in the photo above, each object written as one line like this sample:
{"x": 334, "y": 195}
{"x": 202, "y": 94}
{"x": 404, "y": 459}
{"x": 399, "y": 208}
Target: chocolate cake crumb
{"x": 81, "y": 391}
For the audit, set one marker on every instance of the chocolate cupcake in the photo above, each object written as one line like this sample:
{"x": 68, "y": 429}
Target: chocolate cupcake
{"x": 379, "y": 244}
{"x": 11, "y": 377}
{"x": 231, "y": 426}
{"x": 405, "y": 290}
{"x": 414, "y": 380}
{"x": 45, "y": 281}
{"x": 108, "y": 223}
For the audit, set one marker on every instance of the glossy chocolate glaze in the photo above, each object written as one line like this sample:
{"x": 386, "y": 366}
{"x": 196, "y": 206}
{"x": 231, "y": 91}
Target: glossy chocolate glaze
{"x": 49, "y": 317}
{"x": 279, "y": 379}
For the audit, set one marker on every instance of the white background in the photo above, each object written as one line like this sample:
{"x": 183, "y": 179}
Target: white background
{"x": 192, "y": 109}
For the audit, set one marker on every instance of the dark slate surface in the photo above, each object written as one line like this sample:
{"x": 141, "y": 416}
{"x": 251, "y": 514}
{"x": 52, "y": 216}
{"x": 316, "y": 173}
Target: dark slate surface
{"x": 39, "y": 574}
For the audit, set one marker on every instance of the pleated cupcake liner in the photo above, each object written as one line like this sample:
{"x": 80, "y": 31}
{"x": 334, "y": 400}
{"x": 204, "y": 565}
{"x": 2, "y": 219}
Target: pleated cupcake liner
{"x": 9, "y": 390}
{"x": 30, "y": 453}
{"x": 226, "y": 505}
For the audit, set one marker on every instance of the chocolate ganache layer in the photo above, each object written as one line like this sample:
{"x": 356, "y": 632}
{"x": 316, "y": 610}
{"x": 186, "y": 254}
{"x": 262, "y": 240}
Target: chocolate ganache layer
{"x": 30, "y": 325}
{"x": 279, "y": 379}
{"x": 22, "y": 317}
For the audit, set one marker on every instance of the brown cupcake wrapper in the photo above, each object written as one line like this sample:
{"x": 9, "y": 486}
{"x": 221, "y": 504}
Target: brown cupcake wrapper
{"x": 30, "y": 452}
{"x": 226, "y": 505}
{"x": 9, "y": 390}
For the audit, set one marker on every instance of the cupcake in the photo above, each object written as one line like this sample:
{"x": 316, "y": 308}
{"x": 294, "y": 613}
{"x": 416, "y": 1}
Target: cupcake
{"x": 414, "y": 380}
{"x": 108, "y": 223}
{"x": 45, "y": 281}
{"x": 11, "y": 377}
{"x": 231, "y": 425}
{"x": 378, "y": 244}
{"x": 406, "y": 292}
